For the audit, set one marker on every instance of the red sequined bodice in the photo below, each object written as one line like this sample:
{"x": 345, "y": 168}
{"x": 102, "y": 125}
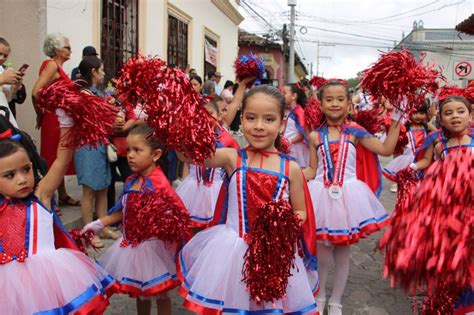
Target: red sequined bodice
{"x": 12, "y": 228}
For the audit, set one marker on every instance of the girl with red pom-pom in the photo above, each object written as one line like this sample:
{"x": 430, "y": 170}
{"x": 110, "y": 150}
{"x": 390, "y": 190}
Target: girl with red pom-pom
{"x": 142, "y": 263}
{"x": 346, "y": 208}
{"x": 211, "y": 265}
{"x": 200, "y": 188}
{"x": 295, "y": 130}
{"x": 41, "y": 268}
{"x": 417, "y": 130}
{"x": 438, "y": 212}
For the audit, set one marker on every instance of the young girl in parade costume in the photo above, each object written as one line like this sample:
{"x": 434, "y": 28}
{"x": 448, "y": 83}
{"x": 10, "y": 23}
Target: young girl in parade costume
{"x": 455, "y": 138}
{"x": 295, "y": 130}
{"x": 143, "y": 265}
{"x": 417, "y": 130}
{"x": 211, "y": 264}
{"x": 346, "y": 208}
{"x": 200, "y": 188}
{"x": 42, "y": 270}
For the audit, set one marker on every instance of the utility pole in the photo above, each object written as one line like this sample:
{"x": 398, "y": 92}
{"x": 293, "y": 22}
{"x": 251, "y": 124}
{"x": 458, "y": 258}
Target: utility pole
{"x": 291, "y": 64}
{"x": 320, "y": 57}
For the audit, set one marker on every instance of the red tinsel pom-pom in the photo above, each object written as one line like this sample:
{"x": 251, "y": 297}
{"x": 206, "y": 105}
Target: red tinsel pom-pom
{"x": 173, "y": 107}
{"x": 454, "y": 90}
{"x": 271, "y": 252}
{"x": 161, "y": 216}
{"x": 249, "y": 66}
{"x": 313, "y": 114}
{"x": 406, "y": 180}
{"x": 83, "y": 240}
{"x": 285, "y": 145}
{"x": 402, "y": 80}
{"x": 317, "y": 82}
{"x": 370, "y": 120}
{"x": 93, "y": 116}
{"x": 430, "y": 242}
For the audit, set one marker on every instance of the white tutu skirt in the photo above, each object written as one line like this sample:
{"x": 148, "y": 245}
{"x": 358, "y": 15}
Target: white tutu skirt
{"x": 62, "y": 281}
{"x": 356, "y": 214}
{"x": 210, "y": 269}
{"x": 397, "y": 164}
{"x": 199, "y": 199}
{"x": 149, "y": 269}
{"x": 300, "y": 152}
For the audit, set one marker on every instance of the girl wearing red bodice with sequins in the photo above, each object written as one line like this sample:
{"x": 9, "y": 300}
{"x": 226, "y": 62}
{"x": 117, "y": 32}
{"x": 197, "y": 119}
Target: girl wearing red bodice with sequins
{"x": 41, "y": 269}
{"x": 211, "y": 263}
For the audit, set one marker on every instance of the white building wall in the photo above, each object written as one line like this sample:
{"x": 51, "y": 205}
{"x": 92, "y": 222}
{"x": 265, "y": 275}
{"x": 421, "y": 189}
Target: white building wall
{"x": 73, "y": 19}
{"x": 206, "y": 15}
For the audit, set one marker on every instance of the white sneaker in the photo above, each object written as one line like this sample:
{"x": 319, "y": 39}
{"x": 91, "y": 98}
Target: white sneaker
{"x": 394, "y": 188}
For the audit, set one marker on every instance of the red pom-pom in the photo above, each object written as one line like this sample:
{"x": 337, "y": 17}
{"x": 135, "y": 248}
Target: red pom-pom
{"x": 83, "y": 240}
{"x": 401, "y": 80}
{"x": 271, "y": 252}
{"x": 430, "y": 241}
{"x": 454, "y": 90}
{"x": 406, "y": 180}
{"x": 173, "y": 107}
{"x": 370, "y": 120}
{"x": 317, "y": 82}
{"x": 156, "y": 215}
{"x": 93, "y": 116}
{"x": 285, "y": 145}
{"x": 249, "y": 66}
{"x": 313, "y": 114}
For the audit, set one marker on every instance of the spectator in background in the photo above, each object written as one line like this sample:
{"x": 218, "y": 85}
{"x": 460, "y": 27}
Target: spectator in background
{"x": 58, "y": 49}
{"x": 211, "y": 86}
{"x": 192, "y": 73}
{"x": 10, "y": 82}
{"x": 227, "y": 94}
{"x": 196, "y": 81}
{"x": 87, "y": 51}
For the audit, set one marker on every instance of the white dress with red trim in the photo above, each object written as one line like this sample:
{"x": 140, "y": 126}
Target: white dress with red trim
{"x": 199, "y": 192}
{"x": 295, "y": 127}
{"x": 416, "y": 136}
{"x": 346, "y": 209}
{"x": 148, "y": 268}
{"x": 39, "y": 277}
{"x": 211, "y": 263}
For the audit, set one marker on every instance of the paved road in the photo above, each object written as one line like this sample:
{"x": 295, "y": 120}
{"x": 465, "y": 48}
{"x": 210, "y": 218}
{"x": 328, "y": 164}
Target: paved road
{"x": 367, "y": 293}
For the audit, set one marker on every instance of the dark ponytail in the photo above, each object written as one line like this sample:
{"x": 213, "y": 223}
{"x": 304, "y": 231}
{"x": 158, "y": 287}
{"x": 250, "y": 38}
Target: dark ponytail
{"x": 298, "y": 89}
{"x": 86, "y": 66}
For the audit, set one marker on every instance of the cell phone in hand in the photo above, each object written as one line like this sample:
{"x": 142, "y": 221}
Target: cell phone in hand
{"x": 23, "y": 68}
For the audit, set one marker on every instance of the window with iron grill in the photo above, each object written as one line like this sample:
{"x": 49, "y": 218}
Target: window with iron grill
{"x": 119, "y": 37}
{"x": 177, "y": 42}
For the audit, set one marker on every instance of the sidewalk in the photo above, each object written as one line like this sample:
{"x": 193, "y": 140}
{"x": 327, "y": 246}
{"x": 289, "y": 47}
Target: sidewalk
{"x": 367, "y": 293}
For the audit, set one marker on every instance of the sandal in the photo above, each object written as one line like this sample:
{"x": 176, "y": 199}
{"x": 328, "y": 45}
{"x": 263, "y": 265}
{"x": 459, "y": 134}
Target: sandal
{"x": 69, "y": 201}
{"x": 107, "y": 233}
{"x": 335, "y": 308}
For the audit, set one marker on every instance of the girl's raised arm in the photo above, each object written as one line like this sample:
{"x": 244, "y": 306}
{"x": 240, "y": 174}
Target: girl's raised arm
{"x": 297, "y": 197}
{"x": 384, "y": 148}
{"x": 310, "y": 171}
{"x": 223, "y": 157}
{"x": 50, "y": 183}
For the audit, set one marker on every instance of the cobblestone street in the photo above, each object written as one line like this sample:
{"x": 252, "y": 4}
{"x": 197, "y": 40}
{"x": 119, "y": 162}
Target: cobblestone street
{"x": 367, "y": 293}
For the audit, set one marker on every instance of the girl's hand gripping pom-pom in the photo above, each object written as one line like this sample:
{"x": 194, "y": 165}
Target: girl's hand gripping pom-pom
{"x": 95, "y": 226}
